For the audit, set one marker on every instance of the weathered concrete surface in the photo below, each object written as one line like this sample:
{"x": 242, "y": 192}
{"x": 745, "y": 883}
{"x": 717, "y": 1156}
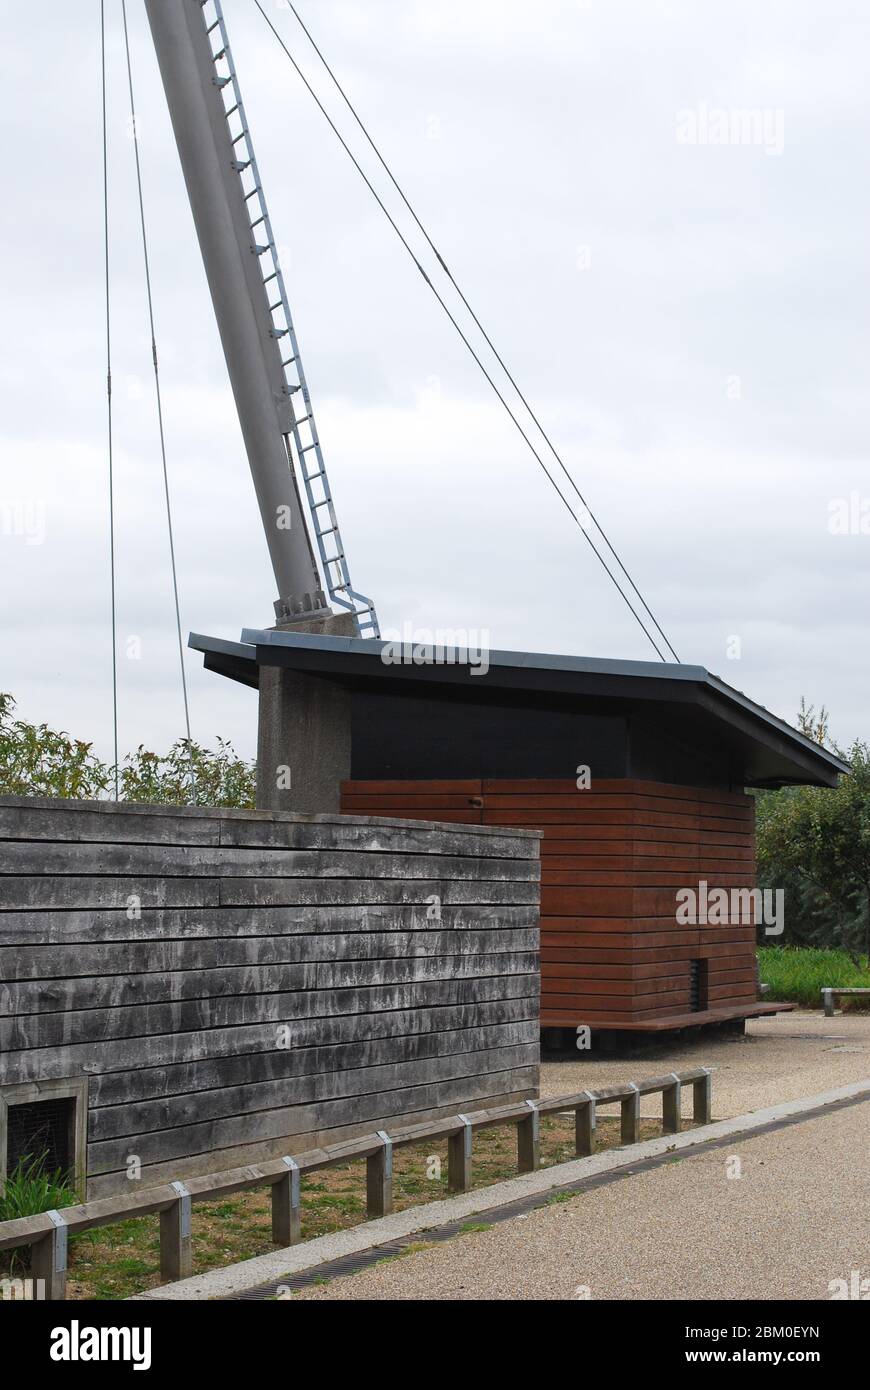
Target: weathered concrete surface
{"x": 303, "y": 742}
{"x": 796, "y": 1221}
{"x": 303, "y": 732}
{"x": 780, "y": 1059}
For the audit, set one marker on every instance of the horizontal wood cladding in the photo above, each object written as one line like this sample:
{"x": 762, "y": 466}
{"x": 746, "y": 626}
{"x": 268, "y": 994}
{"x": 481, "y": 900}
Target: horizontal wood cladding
{"x": 613, "y": 858}
{"x": 169, "y": 954}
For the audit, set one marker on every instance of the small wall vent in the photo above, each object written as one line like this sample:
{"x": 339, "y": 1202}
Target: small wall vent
{"x": 45, "y": 1122}
{"x": 698, "y": 986}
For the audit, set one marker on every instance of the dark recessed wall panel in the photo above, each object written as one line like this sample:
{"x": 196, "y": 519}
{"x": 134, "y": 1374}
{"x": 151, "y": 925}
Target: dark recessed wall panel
{"x": 411, "y": 736}
{"x": 686, "y": 756}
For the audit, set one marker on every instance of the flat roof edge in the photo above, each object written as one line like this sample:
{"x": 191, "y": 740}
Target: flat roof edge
{"x": 255, "y": 643}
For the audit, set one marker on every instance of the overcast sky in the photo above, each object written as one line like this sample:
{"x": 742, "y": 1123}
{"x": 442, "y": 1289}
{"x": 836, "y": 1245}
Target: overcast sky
{"x": 682, "y": 295}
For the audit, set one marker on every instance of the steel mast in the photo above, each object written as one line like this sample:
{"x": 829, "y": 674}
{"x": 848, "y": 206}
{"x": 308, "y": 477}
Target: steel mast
{"x": 252, "y": 310}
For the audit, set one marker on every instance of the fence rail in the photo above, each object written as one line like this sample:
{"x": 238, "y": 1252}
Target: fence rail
{"x": 47, "y": 1234}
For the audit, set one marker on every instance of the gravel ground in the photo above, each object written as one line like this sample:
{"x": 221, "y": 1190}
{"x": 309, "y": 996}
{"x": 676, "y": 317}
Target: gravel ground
{"x": 794, "y": 1221}
{"x": 780, "y": 1058}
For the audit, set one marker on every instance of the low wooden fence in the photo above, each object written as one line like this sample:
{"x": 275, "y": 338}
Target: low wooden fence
{"x": 47, "y": 1234}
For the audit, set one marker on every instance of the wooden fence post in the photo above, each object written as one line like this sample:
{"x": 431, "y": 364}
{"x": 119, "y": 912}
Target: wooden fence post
{"x": 672, "y": 1107}
{"x": 529, "y": 1141}
{"x": 702, "y": 1099}
{"x": 176, "y": 1257}
{"x": 286, "y": 1213}
{"x": 584, "y": 1127}
{"x": 379, "y": 1179}
{"x": 629, "y": 1114}
{"x": 48, "y": 1259}
{"x": 459, "y": 1157}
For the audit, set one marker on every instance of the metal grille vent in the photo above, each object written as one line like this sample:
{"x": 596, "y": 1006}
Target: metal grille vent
{"x": 41, "y": 1130}
{"x": 698, "y": 998}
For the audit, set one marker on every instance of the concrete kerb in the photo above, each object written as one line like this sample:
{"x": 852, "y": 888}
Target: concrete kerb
{"x": 286, "y": 1263}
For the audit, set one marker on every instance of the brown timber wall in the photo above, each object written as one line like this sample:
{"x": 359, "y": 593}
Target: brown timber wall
{"x": 613, "y": 858}
{"x": 236, "y": 985}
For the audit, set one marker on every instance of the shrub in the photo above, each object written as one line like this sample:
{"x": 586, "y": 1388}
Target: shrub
{"x": 38, "y": 761}
{"x": 800, "y": 973}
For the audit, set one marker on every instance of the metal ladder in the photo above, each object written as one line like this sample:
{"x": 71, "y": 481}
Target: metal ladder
{"x": 306, "y": 440}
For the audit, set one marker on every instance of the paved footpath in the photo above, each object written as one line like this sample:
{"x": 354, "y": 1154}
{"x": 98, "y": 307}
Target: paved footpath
{"x": 796, "y": 1220}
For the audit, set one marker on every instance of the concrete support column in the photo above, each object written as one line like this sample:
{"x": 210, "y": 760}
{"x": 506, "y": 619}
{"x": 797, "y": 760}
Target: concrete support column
{"x": 303, "y": 742}
{"x": 303, "y": 734}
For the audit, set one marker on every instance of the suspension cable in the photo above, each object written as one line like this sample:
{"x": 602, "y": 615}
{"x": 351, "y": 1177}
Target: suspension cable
{"x": 159, "y": 399}
{"x": 109, "y": 393}
{"x": 490, "y": 344}
{"x": 465, "y": 339}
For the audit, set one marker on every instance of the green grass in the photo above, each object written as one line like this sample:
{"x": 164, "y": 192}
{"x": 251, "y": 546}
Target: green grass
{"x": 113, "y": 1262}
{"x": 29, "y": 1190}
{"x": 798, "y": 974}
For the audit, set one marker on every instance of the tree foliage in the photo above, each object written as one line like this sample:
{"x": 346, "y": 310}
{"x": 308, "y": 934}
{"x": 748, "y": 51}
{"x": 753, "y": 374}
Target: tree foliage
{"x": 189, "y": 774}
{"x": 815, "y": 843}
{"x": 38, "y": 761}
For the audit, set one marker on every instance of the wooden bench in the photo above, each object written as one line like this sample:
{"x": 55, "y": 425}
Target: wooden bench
{"x": 832, "y": 993}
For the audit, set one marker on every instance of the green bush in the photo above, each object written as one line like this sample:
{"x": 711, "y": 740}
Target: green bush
{"x": 814, "y": 842}
{"x": 38, "y": 761}
{"x": 800, "y": 974}
{"x": 189, "y": 775}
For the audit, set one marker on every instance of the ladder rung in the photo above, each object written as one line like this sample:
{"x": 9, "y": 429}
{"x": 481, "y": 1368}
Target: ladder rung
{"x": 267, "y": 278}
{"x": 312, "y": 477}
{"x": 240, "y": 137}
{"x": 325, "y": 503}
{"x": 279, "y": 304}
{"x": 233, "y": 109}
{"x": 289, "y": 362}
{"x": 327, "y": 531}
{"x": 249, "y": 196}
{"x": 309, "y": 447}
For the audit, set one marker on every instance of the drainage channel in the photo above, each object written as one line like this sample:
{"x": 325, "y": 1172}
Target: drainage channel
{"x": 352, "y": 1264}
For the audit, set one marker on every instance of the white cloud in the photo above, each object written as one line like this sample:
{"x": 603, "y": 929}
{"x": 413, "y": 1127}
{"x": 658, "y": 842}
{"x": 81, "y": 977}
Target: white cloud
{"x": 555, "y": 129}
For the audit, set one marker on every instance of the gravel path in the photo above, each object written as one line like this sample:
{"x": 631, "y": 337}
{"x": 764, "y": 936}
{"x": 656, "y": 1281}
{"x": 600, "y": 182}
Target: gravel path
{"x": 780, "y": 1058}
{"x": 794, "y": 1221}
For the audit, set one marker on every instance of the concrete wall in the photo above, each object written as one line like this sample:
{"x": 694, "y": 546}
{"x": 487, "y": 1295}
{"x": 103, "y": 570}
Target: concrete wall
{"x": 241, "y": 984}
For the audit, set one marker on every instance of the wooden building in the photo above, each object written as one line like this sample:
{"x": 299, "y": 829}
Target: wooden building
{"x": 636, "y": 772}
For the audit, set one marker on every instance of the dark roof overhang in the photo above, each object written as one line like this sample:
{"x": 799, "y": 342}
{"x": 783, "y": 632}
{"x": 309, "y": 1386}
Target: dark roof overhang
{"x": 767, "y": 749}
